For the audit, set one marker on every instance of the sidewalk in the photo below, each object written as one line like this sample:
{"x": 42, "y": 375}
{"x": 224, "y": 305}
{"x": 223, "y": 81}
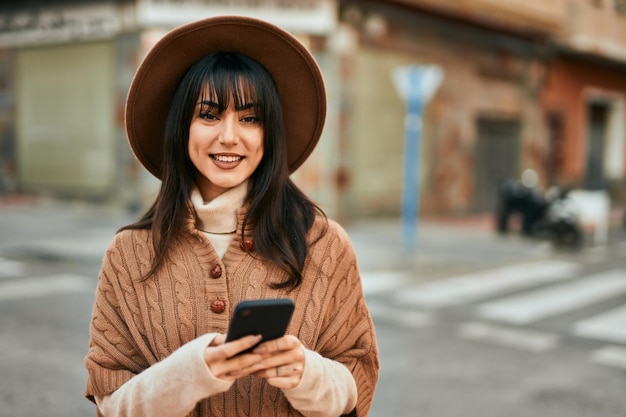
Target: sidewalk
{"x": 443, "y": 246}
{"x": 37, "y": 228}
{"x": 81, "y": 231}
{"x": 51, "y": 229}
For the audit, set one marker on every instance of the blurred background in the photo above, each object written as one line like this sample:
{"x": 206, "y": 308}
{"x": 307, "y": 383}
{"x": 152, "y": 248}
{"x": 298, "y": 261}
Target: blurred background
{"x": 527, "y": 85}
{"x": 475, "y": 150}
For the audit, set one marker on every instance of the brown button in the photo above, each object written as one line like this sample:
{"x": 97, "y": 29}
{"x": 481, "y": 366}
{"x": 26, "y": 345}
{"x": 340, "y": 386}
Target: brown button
{"x": 216, "y": 272}
{"x": 247, "y": 245}
{"x": 218, "y": 306}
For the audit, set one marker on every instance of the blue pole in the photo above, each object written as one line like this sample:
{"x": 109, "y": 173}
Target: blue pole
{"x": 413, "y": 131}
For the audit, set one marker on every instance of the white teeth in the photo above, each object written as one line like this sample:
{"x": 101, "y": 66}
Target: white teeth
{"x": 223, "y": 158}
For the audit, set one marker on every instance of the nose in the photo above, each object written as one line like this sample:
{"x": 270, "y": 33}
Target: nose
{"x": 229, "y": 131}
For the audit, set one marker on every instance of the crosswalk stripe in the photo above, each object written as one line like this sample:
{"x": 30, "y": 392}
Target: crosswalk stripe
{"x": 540, "y": 304}
{"x": 44, "y": 286}
{"x": 91, "y": 246}
{"x": 475, "y": 286}
{"x": 523, "y": 339}
{"x": 611, "y": 356}
{"x": 406, "y": 318}
{"x": 9, "y": 268}
{"x": 609, "y": 326}
{"x": 379, "y": 282}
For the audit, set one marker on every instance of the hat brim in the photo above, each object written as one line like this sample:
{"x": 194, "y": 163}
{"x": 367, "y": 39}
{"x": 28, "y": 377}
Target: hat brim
{"x": 295, "y": 72}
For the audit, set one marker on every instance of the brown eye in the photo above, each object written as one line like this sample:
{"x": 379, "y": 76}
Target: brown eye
{"x": 250, "y": 119}
{"x": 208, "y": 116}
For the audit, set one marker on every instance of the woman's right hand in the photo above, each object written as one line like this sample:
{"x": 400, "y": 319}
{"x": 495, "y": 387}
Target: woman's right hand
{"x": 221, "y": 357}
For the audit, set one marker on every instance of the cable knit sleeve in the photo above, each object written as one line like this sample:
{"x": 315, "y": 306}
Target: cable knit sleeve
{"x": 347, "y": 332}
{"x": 327, "y": 388}
{"x": 114, "y": 356}
{"x": 170, "y": 388}
{"x": 124, "y": 373}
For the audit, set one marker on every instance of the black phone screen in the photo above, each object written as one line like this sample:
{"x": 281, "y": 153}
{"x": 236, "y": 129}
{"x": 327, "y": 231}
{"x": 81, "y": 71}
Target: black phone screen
{"x": 267, "y": 317}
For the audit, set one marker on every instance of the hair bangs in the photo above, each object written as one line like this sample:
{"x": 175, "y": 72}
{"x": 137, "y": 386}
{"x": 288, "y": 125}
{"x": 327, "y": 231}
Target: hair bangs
{"x": 230, "y": 77}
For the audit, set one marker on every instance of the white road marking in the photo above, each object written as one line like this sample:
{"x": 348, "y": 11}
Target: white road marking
{"x": 9, "y": 268}
{"x": 475, "y": 286}
{"x": 611, "y": 356}
{"x": 407, "y": 318}
{"x": 377, "y": 282}
{"x": 523, "y": 339}
{"x": 88, "y": 246}
{"x": 539, "y": 304}
{"x": 609, "y": 326}
{"x": 44, "y": 286}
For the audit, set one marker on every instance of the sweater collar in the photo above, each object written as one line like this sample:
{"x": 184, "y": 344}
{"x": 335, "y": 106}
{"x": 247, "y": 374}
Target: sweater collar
{"x": 220, "y": 214}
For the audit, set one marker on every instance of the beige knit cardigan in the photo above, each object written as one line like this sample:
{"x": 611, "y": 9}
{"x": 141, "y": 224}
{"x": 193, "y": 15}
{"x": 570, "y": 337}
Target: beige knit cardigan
{"x": 137, "y": 323}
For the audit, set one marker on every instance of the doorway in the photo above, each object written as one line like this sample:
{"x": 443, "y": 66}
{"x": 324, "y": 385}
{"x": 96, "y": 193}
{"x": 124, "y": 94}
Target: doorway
{"x": 496, "y": 159}
{"x": 596, "y": 143}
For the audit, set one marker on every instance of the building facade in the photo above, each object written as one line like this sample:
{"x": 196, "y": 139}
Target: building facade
{"x": 65, "y": 69}
{"x": 535, "y": 85}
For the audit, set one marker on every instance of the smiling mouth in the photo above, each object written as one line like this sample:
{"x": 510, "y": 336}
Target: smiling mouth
{"x": 227, "y": 158}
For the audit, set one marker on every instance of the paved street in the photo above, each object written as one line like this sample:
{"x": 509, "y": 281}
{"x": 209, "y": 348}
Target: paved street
{"x": 477, "y": 324}
{"x": 469, "y": 323}
{"x": 546, "y": 339}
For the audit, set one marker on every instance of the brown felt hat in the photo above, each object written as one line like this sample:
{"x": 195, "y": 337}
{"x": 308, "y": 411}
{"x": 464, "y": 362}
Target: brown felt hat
{"x": 296, "y": 74}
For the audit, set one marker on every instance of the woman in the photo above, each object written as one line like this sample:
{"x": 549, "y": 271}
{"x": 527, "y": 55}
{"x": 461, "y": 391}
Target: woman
{"x": 222, "y": 110}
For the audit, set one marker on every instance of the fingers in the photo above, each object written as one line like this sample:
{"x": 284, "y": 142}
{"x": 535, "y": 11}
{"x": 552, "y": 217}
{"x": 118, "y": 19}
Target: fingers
{"x": 226, "y": 350}
{"x": 280, "y": 361}
{"x": 218, "y": 340}
{"x": 281, "y": 344}
{"x": 282, "y": 371}
{"x": 222, "y": 360}
{"x": 283, "y": 363}
{"x": 283, "y": 376}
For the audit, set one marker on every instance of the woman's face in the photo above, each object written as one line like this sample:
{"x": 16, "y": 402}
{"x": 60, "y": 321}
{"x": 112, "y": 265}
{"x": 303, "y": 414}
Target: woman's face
{"x": 224, "y": 147}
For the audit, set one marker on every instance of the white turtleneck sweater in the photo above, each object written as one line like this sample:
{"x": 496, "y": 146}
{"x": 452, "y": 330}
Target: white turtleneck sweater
{"x": 217, "y": 219}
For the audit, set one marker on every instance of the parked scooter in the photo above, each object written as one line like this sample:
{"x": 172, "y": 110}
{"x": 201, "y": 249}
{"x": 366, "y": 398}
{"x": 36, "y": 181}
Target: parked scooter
{"x": 547, "y": 215}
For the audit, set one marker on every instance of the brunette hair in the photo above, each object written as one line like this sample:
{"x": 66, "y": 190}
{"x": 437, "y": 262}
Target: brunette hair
{"x": 279, "y": 213}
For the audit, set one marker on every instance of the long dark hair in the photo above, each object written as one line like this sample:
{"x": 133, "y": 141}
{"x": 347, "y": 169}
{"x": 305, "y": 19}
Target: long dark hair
{"x": 279, "y": 213}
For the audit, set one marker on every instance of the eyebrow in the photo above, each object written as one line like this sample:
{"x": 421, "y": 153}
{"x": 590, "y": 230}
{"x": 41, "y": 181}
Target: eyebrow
{"x": 210, "y": 103}
{"x": 207, "y": 103}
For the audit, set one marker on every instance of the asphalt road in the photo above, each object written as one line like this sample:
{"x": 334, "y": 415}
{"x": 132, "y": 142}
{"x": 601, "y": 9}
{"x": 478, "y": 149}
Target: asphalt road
{"x": 449, "y": 361}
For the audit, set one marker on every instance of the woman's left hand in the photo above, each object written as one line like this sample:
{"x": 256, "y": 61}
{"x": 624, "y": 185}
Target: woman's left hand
{"x": 283, "y": 361}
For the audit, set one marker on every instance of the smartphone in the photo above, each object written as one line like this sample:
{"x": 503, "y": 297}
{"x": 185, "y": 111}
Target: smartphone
{"x": 267, "y": 317}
